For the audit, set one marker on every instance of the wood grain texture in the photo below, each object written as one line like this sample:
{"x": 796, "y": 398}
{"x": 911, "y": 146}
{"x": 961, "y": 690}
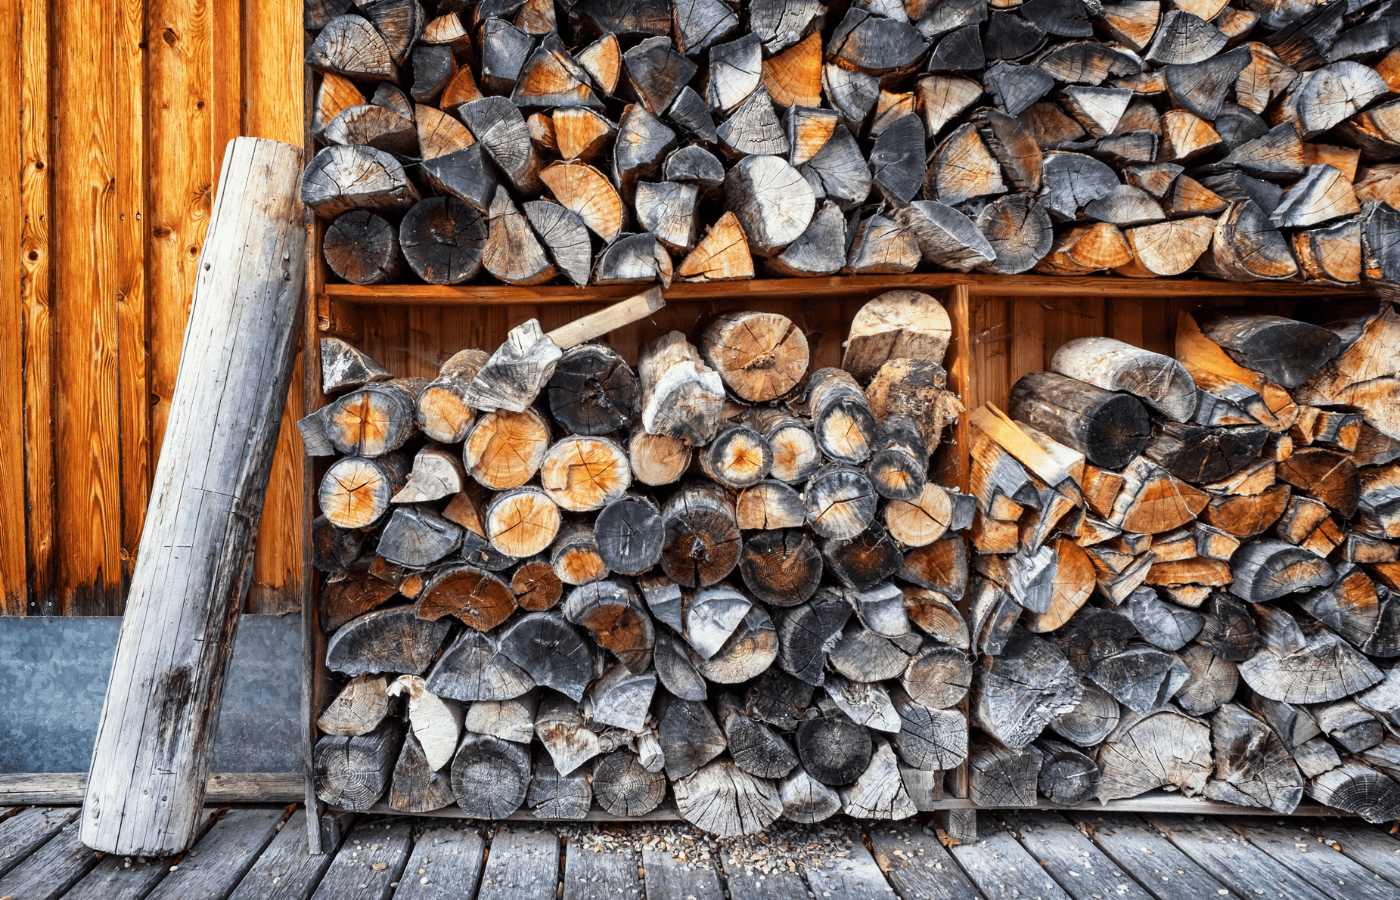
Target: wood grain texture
{"x": 173, "y": 648}
{"x": 917, "y": 865}
{"x": 1080, "y": 867}
{"x": 1147, "y": 856}
{"x": 608, "y": 873}
{"x": 669, "y": 878}
{"x": 370, "y": 867}
{"x": 28, "y": 830}
{"x": 36, "y": 288}
{"x": 522, "y": 865}
{"x": 222, "y": 857}
{"x": 14, "y": 578}
{"x": 446, "y": 863}
{"x": 286, "y": 869}
{"x": 87, "y": 525}
{"x": 48, "y": 872}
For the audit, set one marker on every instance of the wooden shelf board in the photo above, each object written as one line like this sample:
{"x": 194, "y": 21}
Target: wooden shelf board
{"x": 58, "y": 788}
{"x": 1153, "y": 802}
{"x": 818, "y": 288}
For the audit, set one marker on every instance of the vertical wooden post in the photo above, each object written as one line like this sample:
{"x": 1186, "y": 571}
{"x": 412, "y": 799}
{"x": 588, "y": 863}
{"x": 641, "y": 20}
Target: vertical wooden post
{"x": 960, "y": 823}
{"x": 156, "y": 736}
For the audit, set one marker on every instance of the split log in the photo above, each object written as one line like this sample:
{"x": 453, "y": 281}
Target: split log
{"x": 681, "y": 397}
{"x": 1356, "y": 788}
{"x": 473, "y": 669}
{"x": 551, "y": 651}
{"x": 585, "y": 191}
{"x": 1267, "y": 570}
{"x": 1322, "y": 669}
{"x": 724, "y": 800}
{"x": 755, "y": 747}
{"x": 675, "y": 668}
{"x": 1091, "y": 720}
{"x": 772, "y": 200}
{"x": 353, "y": 772}
{"x": 689, "y": 737}
{"x": 805, "y": 799}
{"x": 833, "y": 749}
{"x": 1160, "y": 750}
{"x": 475, "y": 597}
{"x": 613, "y": 613}
{"x": 1067, "y": 776}
{"x": 415, "y": 788}
{"x": 769, "y": 505}
{"x": 417, "y": 537}
{"x": 1253, "y": 768}
{"x": 807, "y": 633}
{"x": 1018, "y": 691}
{"x": 509, "y": 720}
{"x": 359, "y": 707}
{"x": 722, "y": 255}
{"x": 998, "y": 776}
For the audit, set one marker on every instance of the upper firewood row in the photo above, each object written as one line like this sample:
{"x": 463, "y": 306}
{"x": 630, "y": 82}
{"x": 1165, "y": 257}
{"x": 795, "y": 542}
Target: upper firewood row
{"x": 609, "y": 143}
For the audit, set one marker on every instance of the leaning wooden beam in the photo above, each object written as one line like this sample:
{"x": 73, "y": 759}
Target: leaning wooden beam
{"x": 146, "y": 792}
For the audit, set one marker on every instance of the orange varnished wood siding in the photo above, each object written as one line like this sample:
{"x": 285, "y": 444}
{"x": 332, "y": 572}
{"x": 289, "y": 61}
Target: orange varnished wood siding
{"x": 124, "y": 109}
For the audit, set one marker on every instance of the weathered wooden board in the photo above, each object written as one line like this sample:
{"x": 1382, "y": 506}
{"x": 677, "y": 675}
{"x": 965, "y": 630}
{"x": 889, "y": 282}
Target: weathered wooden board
{"x": 1234, "y": 861}
{"x": 917, "y": 865}
{"x": 446, "y": 863}
{"x": 668, "y": 878}
{"x": 1366, "y": 844}
{"x": 522, "y": 865}
{"x": 1001, "y": 868}
{"x": 286, "y": 870}
{"x": 1151, "y": 859}
{"x": 602, "y": 874}
{"x": 1313, "y": 861}
{"x": 1081, "y": 868}
{"x": 856, "y": 877}
{"x": 27, "y": 830}
{"x": 215, "y": 865}
{"x": 50, "y": 870}
{"x": 369, "y": 862}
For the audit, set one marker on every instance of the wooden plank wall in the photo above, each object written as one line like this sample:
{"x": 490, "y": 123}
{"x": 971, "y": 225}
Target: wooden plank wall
{"x": 124, "y": 111}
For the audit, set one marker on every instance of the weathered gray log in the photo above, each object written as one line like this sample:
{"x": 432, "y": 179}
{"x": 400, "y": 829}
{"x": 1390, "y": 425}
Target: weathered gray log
{"x": 1108, "y": 428}
{"x": 146, "y": 789}
{"x": 352, "y": 772}
{"x": 1018, "y": 692}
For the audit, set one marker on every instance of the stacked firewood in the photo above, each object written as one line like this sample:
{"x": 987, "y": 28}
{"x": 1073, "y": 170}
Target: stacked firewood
{"x": 1187, "y": 572}
{"x": 716, "y": 572}
{"x": 601, "y": 142}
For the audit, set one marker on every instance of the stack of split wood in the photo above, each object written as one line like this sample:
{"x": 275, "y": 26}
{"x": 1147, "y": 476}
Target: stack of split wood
{"x": 1187, "y": 572}
{"x": 715, "y": 572}
{"x": 603, "y": 142}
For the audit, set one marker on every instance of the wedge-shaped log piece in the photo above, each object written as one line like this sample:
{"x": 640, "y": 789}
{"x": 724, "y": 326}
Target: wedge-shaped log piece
{"x": 512, "y": 251}
{"x": 551, "y": 651}
{"x": 613, "y": 613}
{"x": 681, "y": 397}
{"x": 1202, "y": 454}
{"x": 1284, "y": 350}
{"x": 879, "y": 793}
{"x": 642, "y": 143}
{"x": 1071, "y": 181}
{"x": 387, "y": 640}
{"x": 690, "y": 737}
{"x": 1091, "y": 720}
{"x": 772, "y": 200}
{"x": 962, "y": 168}
{"x": 1357, "y": 788}
{"x": 1252, "y": 766}
{"x": 1325, "y": 97}
{"x": 1182, "y": 39}
{"x": 1087, "y": 249}
{"x": 1322, "y": 669}
{"x": 358, "y": 708}
{"x": 1321, "y": 195}
{"x": 998, "y": 776}
{"x": 1019, "y": 691}
{"x": 1330, "y": 253}
{"x": 808, "y": 632}
{"x": 755, "y": 747}
{"x": 351, "y": 46}
{"x": 501, "y": 129}
{"x": 372, "y": 126}
{"x": 722, "y": 255}
{"x": 1142, "y": 678}
{"x": 820, "y": 250}
{"x": 342, "y": 178}
{"x": 581, "y": 188}
{"x": 1167, "y": 248}
{"x": 946, "y": 237}
{"x": 1165, "y": 749}
{"x": 725, "y": 800}
{"x": 1268, "y": 570}
{"x": 876, "y": 44}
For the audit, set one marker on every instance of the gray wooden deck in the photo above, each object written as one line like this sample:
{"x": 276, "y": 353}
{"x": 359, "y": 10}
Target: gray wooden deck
{"x": 258, "y": 853}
